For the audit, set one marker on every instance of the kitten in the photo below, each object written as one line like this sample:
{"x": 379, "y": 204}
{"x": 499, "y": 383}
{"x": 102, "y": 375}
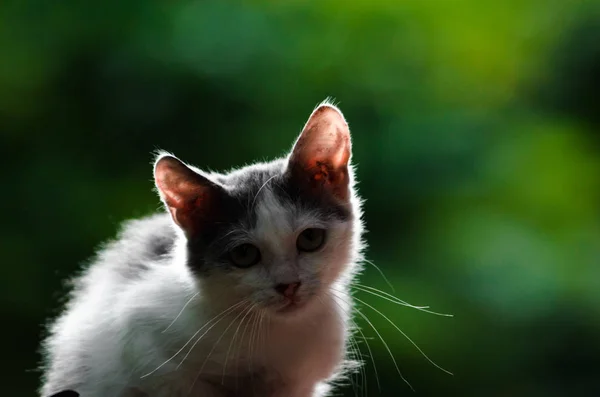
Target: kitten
{"x": 240, "y": 289}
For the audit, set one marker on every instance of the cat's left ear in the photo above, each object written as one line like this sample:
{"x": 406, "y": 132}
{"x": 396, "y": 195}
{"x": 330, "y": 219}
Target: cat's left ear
{"x": 321, "y": 154}
{"x": 190, "y": 197}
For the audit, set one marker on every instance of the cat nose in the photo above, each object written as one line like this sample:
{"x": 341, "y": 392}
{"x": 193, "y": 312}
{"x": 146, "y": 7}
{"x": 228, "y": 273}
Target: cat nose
{"x": 288, "y": 290}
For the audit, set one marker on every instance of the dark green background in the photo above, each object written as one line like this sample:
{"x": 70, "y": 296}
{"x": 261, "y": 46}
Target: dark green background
{"x": 475, "y": 129}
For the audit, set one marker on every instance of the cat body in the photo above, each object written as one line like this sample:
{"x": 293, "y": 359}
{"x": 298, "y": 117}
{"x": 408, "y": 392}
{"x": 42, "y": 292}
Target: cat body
{"x": 240, "y": 289}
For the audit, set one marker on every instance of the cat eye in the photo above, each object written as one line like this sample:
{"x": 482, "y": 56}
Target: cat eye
{"x": 310, "y": 240}
{"x": 245, "y": 255}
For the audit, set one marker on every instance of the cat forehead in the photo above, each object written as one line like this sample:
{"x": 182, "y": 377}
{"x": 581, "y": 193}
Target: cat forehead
{"x": 277, "y": 215}
{"x": 250, "y": 179}
{"x": 267, "y": 196}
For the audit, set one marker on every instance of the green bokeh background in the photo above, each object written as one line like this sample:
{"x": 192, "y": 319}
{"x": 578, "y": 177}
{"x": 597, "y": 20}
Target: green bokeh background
{"x": 475, "y": 128}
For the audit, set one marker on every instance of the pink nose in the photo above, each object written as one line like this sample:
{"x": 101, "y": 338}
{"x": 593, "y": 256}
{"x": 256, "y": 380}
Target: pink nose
{"x": 287, "y": 290}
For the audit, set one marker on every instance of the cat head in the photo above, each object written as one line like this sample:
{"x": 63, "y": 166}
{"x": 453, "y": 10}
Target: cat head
{"x": 275, "y": 235}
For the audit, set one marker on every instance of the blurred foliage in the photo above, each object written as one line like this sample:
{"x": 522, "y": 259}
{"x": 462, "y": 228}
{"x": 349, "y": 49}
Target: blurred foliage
{"x": 476, "y": 137}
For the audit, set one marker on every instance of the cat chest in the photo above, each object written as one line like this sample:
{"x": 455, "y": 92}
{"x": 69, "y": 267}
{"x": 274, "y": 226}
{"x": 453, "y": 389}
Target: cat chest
{"x": 259, "y": 369}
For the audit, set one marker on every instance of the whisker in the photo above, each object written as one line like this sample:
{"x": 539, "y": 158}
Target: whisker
{"x": 237, "y": 365}
{"x": 406, "y": 336}
{"x": 386, "y": 347}
{"x": 353, "y": 347}
{"x": 391, "y": 298}
{"x": 366, "y": 342}
{"x": 358, "y": 355}
{"x": 362, "y": 367}
{"x": 263, "y": 316}
{"x": 251, "y": 351}
{"x": 372, "y": 360}
{"x": 202, "y": 336}
{"x": 261, "y": 188}
{"x": 220, "y": 315}
{"x": 261, "y": 333}
{"x": 181, "y": 312}
{"x": 254, "y": 337}
{"x": 382, "y": 274}
{"x": 363, "y": 387}
{"x": 229, "y": 233}
{"x": 249, "y": 308}
{"x": 231, "y": 344}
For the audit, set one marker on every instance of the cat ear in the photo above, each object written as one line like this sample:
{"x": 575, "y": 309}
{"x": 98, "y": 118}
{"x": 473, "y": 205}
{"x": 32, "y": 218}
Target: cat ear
{"x": 321, "y": 154}
{"x": 186, "y": 194}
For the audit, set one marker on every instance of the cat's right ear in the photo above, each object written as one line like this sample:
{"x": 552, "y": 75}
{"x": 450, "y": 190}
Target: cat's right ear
{"x": 320, "y": 157}
{"x": 186, "y": 194}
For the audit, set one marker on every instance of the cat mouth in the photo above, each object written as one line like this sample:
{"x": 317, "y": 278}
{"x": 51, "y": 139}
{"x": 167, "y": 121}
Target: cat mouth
{"x": 291, "y": 306}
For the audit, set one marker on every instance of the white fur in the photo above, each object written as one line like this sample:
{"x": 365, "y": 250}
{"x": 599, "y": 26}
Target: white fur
{"x": 127, "y": 334}
{"x": 121, "y": 331}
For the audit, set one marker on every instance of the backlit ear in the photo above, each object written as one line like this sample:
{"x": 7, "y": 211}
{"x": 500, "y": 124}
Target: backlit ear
{"x": 321, "y": 153}
{"x": 186, "y": 194}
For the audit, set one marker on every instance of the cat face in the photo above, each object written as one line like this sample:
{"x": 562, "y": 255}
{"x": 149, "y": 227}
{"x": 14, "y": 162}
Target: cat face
{"x": 274, "y": 235}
